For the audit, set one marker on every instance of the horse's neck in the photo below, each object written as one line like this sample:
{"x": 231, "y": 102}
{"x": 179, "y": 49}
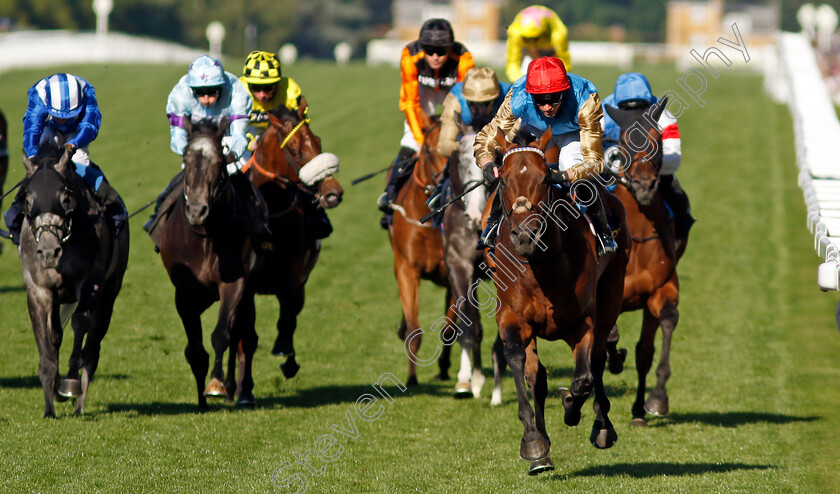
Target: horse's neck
{"x": 643, "y": 221}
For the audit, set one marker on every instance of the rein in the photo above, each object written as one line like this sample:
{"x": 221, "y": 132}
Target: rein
{"x": 293, "y": 132}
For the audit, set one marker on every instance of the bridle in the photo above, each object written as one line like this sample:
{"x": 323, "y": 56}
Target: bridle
{"x": 64, "y": 231}
{"x": 508, "y": 211}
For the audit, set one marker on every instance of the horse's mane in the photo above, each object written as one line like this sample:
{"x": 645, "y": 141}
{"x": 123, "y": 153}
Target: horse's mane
{"x": 283, "y": 113}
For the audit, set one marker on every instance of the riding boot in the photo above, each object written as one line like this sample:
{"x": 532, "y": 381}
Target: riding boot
{"x": 394, "y": 175}
{"x": 14, "y": 221}
{"x": 605, "y": 241}
{"x": 257, "y": 210}
{"x": 112, "y": 206}
{"x": 488, "y": 235}
{"x": 677, "y": 200}
{"x": 161, "y": 198}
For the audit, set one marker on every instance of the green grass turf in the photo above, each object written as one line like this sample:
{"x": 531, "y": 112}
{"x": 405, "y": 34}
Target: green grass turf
{"x": 756, "y": 356}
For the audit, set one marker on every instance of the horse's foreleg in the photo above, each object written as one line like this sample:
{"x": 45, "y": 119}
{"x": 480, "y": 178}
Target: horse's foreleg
{"x": 615, "y": 356}
{"x": 247, "y": 341}
{"x": 603, "y": 433}
{"x": 290, "y": 306}
{"x": 445, "y": 361}
{"x": 582, "y": 381}
{"x": 644, "y": 359}
{"x": 230, "y": 299}
{"x": 499, "y": 364}
{"x": 196, "y": 355}
{"x": 48, "y": 336}
{"x": 657, "y": 402}
{"x": 534, "y": 445}
{"x": 408, "y": 281}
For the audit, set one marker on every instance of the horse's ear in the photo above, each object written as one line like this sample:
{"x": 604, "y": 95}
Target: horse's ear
{"x": 545, "y": 139}
{"x": 223, "y": 125}
{"x": 188, "y": 125}
{"x": 302, "y": 107}
{"x": 657, "y": 108}
{"x": 273, "y": 120}
{"x": 502, "y": 141}
{"x": 426, "y": 122}
{"x": 616, "y": 114}
{"x": 61, "y": 167}
{"x": 30, "y": 167}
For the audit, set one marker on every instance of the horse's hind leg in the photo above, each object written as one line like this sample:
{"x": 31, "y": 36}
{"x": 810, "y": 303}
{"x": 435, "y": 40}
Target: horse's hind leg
{"x": 615, "y": 356}
{"x": 603, "y": 433}
{"x": 71, "y": 386}
{"x": 499, "y": 364}
{"x": 290, "y": 307}
{"x": 582, "y": 381}
{"x": 657, "y": 402}
{"x": 196, "y": 355}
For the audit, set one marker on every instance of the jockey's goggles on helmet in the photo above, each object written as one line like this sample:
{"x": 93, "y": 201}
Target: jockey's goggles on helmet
{"x": 547, "y": 99}
{"x": 436, "y": 50}
{"x": 634, "y": 104}
{"x": 207, "y": 91}
{"x": 262, "y": 88}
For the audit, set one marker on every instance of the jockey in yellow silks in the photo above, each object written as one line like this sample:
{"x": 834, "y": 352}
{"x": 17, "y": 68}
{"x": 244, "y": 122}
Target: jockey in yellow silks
{"x": 535, "y": 32}
{"x": 264, "y": 81}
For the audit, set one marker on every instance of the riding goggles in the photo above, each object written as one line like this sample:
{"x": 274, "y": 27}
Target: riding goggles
{"x": 436, "y": 50}
{"x": 262, "y": 88}
{"x": 207, "y": 91}
{"x": 547, "y": 99}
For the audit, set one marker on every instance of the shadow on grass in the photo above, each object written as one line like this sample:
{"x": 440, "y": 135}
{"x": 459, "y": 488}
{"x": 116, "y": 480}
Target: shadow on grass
{"x": 22, "y": 382}
{"x": 10, "y": 289}
{"x": 656, "y": 469}
{"x": 729, "y": 419}
{"x": 307, "y": 398}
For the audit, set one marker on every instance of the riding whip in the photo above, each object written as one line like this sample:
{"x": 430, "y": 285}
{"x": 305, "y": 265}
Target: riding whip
{"x": 441, "y": 208}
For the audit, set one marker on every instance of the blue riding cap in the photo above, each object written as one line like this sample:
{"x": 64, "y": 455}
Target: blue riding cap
{"x": 632, "y": 86}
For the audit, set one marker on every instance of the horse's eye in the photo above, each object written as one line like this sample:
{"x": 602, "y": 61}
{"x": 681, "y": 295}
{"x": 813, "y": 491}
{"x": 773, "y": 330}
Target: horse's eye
{"x": 68, "y": 202}
{"x": 27, "y": 204}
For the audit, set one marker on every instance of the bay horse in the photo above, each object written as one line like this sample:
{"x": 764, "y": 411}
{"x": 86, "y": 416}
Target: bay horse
{"x": 651, "y": 283}
{"x": 418, "y": 249}
{"x": 293, "y": 176}
{"x": 551, "y": 284}
{"x": 72, "y": 266}
{"x": 461, "y": 230}
{"x": 205, "y": 245}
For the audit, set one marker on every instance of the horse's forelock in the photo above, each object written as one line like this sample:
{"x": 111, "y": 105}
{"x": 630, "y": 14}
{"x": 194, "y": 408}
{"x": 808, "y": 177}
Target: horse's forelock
{"x": 205, "y": 146}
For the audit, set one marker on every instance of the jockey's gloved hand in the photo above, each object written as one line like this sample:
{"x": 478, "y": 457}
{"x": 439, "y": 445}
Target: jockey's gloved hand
{"x": 558, "y": 177}
{"x": 232, "y": 163}
{"x": 490, "y": 173}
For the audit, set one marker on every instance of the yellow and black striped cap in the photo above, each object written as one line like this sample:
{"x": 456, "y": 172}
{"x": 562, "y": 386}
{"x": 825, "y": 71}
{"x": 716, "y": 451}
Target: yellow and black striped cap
{"x": 261, "y": 67}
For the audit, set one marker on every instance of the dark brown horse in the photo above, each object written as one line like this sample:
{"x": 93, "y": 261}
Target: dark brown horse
{"x": 206, "y": 248}
{"x": 72, "y": 265}
{"x": 651, "y": 283}
{"x": 294, "y": 177}
{"x": 552, "y": 285}
{"x": 418, "y": 248}
{"x": 4, "y": 156}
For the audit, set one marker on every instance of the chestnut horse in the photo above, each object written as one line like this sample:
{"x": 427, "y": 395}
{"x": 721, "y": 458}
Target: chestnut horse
{"x": 651, "y": 282}
{"x": 205, "y": 245}
{"x": 72, "y": 264}
{"x": 293, "y": 176}
{"x": 418, "y": 248}
{"x": 551, "y": 284}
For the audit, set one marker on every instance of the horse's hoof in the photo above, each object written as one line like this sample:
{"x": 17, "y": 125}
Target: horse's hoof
{"x": 412, "y": 382}
{"x": 540, "y": 466}
{"x": 657, "y": 406}
{"x": 246, "y": 400}
{"x": 638, "y": 422}
{"x": 282, "y": 349}
{"x": 69, "y": 388}
{"x": 603, "y": 438}
{"x": 534, "y": 450}
{"x": 290, "y": 368}
{"x": 462, "y": 390}
{"x": 215, "y": 389}
{"x": 616, "y": 362}
{"x": 572, "y": 415}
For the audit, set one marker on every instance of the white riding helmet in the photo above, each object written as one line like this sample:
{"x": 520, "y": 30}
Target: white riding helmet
{"x": 63, "y": 94}
{"x": 205, "y": 71}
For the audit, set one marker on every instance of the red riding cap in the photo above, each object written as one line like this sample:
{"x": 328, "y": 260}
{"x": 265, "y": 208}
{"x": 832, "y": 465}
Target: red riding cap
{"x": 546, "y": 75}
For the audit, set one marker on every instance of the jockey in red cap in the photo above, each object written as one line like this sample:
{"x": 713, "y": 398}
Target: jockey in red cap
{"x": 549, "y": 97}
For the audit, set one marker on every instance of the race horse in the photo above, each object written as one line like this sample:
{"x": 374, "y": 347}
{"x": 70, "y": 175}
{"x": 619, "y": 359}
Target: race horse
{"x": 551, "y": 284}
{"x": 651, "y": 283}
{"x": 72, "y": 267}
{"x": 418, "y": 249}
{"x": 294, "y": 177}
{"x": 206, "y": 247}
{"x": 4, "y": 156}
{"x": 461, "y": 230}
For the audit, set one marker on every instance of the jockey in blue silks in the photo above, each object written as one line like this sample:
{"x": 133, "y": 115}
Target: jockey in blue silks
{"x": 208, "y": 92}
{"x": 632, "y": 91}
{"x": 548, "y": 96}
{"x": 62, "y": 111}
